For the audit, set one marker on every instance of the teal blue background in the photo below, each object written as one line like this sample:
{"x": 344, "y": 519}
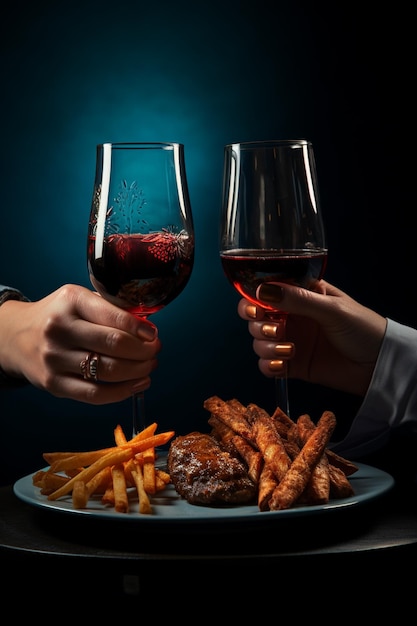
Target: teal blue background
{"x": 204, "y": 74}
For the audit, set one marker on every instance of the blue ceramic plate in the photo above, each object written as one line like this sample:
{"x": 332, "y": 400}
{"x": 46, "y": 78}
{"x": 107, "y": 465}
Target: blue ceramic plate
{"x": 368, "y": 483}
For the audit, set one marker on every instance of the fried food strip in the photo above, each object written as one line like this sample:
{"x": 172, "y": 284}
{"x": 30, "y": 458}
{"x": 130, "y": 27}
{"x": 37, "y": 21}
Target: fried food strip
{"x": 269, "y": 441}
{"x": 108, "y": 495}
{"x": 236, "y": 405}
{"x": 149, "y": 483}
{"x": 222, "y": 432}
{"x": 48, "y": 482}
{"x": 119, "y": 454}
{"x": 79, "y": 495}
{"x": 65, "y": 461}
{"x": 347, "y": 467}
{"x": 318, "y": 488}
{"x": 340, "y": 486}
{"x": 144, "y": 502}
{"x": 266, "y": 485}
{"x": 305, "y": 427}
{"x": 121, "y": 500}
{"x": 296, "y": 479}
{"x": 62, "y": 461}
{"x": 280, "y": 417}
{"x": 292, "y": 448}
{"x": 162, "y": 479}
{"x": 119, "y": 436}
{"x": 253, "y": 458}
{"x": 236, "y": 444}
{"x": 228, "y": 414}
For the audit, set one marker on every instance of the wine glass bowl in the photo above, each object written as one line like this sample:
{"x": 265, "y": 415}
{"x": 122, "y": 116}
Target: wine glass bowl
{"x": 271, "y": 227}
{"x": 140, "y": 248}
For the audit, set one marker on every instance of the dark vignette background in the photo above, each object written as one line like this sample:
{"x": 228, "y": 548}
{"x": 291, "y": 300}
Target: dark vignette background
{"x": 205, "y": 74}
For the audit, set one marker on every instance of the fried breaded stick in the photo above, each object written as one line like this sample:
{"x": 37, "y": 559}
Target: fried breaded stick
{"x": 253, "y": 458}
{"x": 229, "y": 415}
{"x": 318, "y": 488}
{"x": 269, "y": 441}
{"x": 266, "y": 485}
{"x": 297, "y": 477}
{"x": 340, "y": 486}
{"x": 347, "y": 467}
{"x": 222, "y": 432}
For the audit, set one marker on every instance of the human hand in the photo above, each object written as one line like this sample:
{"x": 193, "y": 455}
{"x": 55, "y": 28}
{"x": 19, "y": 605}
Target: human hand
{"x": 46, "y": 342}
{"x": 336, "y": 340}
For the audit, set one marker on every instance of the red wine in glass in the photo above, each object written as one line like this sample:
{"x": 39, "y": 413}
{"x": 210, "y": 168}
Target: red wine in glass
{"x": 142, "y": 273}
{"x": 247, "y": 269}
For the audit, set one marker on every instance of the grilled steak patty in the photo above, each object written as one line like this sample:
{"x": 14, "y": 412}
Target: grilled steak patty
{"x": 203, "y": 473}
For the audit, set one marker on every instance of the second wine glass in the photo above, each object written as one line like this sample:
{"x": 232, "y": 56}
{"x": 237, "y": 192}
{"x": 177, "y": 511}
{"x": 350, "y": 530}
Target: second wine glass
{"x": 271, "y": 227}
{"x": 140, "y": 250}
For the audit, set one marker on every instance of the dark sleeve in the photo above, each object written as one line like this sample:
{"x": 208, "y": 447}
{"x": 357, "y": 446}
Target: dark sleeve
{"x": 10, "y": 293}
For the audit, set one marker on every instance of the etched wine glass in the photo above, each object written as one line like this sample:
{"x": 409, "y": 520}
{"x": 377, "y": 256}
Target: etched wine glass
{"x": 140, "y": 249}
{"x": 271, "y": 226}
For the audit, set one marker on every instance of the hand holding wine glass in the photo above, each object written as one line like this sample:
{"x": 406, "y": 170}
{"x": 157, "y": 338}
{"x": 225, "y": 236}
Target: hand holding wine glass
{"x": 271, "y": 227}
{"x": 140, "y": 250}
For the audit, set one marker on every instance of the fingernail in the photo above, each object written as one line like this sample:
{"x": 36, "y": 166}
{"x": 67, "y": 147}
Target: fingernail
{"x": 285, "y": 350}
{"x": 270, "y": 293}
{"x": 251, "y": 311}
{"x": 270, "y": 330}
{"x": 277, "y": 366}
{"x": 147, "y": 331}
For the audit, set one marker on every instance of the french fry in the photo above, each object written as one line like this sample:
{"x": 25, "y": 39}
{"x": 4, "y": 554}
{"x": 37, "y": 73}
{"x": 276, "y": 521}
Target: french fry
{"x": 162, "y": 479}
{"x": 149, "y": 483}
{"x": 100, "y": 482}
{"x": 48, "y": 482}
{"x": 121, "y": 500}
{"x": 119, "y": 436}
{"x": 162, "y": 475}
{"x": 79, "y": 495}
{"x": 62, "y": 462}
{"x": 144, "y": 502}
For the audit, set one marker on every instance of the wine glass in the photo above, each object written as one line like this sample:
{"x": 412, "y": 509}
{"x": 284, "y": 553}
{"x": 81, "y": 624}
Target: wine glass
{"x": 271, "y": 226}
{"x": 140, "y": 249}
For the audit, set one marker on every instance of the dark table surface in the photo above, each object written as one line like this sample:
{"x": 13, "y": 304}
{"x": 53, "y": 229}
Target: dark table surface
{"x": 371, "y": 540}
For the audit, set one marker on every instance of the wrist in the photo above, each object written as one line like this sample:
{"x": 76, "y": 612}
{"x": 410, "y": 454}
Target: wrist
{"x": 6, "y": 294}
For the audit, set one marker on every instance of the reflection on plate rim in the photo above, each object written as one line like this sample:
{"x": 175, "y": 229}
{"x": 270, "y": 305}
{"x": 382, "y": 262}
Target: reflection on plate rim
{"x": 383, "y": 482}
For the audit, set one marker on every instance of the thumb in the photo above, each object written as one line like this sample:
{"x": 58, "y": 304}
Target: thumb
{"x": 318, "y": 305}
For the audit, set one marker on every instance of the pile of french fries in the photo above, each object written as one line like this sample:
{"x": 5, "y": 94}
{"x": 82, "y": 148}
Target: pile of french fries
{"x": 112, "y": 474}
{"x": 288, "y": 460}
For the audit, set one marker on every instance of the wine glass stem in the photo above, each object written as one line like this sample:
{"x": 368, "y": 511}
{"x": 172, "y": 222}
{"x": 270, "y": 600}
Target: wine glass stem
{"x": 281, "y": 382}
{"x": 139, "y": 421}
{"x": 281, "y": 393}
